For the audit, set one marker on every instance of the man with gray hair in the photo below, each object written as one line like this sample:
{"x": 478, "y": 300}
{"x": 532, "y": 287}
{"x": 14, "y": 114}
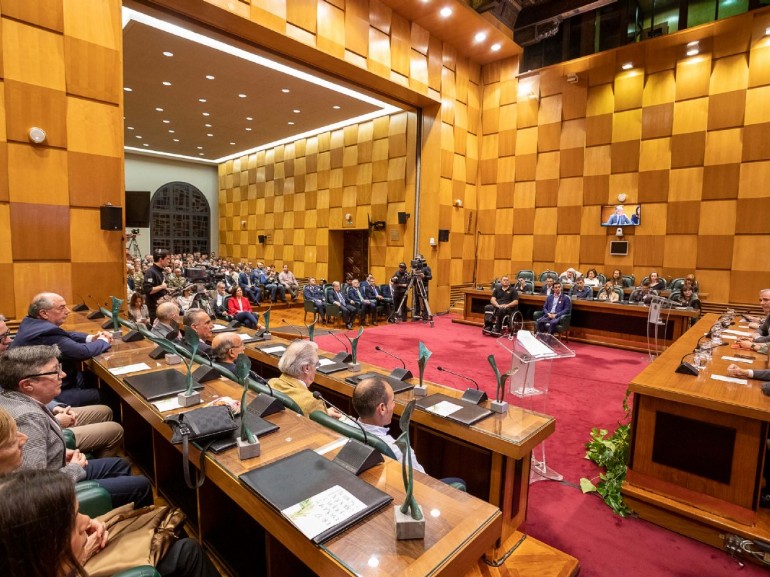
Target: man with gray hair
{"x": 42, "y": 326}
{"x": 166, "y": 319}
{"x": 199, "y": 321}
{"x": 5, "y": 335}
{"x": 225, "y": 349}
{"x": 298, "y": 365}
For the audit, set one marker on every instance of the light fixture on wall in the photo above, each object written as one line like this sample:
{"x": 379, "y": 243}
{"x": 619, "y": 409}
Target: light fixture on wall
{"x": 348, "y": 218}
{"x": 573, "y": 78}
{"x": 37, "y": 135}
{"x": 459, "y": 203}
{"x": 693, "y": 48}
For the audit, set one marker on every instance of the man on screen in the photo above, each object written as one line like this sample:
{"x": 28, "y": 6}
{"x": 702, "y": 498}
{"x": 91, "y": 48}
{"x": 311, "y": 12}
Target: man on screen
{"x": 619, "y": 218}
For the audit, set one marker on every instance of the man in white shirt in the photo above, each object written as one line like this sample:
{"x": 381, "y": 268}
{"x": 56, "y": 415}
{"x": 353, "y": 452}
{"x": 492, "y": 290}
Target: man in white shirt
{"x": 288, "y": 280}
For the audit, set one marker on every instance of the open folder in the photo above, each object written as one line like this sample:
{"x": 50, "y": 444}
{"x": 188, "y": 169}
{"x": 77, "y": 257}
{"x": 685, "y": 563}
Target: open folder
{"x": 316, "y": 495}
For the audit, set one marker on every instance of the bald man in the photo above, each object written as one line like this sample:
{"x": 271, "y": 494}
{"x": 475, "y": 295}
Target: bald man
{"x": 166, "y": 319}
{"x": 225, "y": 349}
{"x": 42, "y": 326}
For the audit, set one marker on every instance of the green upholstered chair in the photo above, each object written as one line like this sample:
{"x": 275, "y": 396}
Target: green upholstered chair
{"x": 676, "y": 284}
{"x": 526, "y": 275}
{"x": 352, "y": 432}
{"x": 548, "y": 274}
{"x": 562, "y": 327}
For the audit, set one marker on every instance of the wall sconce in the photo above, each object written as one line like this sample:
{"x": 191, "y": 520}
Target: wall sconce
{"x": 37, "y": 135}
{"x": 432, "y": 242}
{"x": 459, "y": 203}
{"x": 348, "y": 218}
{"x": 243, "y": 224}
{"x": 262, "y": 238}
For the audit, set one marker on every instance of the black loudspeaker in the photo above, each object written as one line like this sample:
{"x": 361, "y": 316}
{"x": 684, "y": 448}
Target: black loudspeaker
{"x": 357, "y": 457}
{"x": 403, "y": 217}
{"x": 111, "y": 217}
{"x": 204, "y": 374}
{"x": 157, "y": 353}
{"x": 132, "y": 336}
{"x": 264, "y": 405}
{"x": 474, "y": 396}
{"x": 343, "y": 357}
{"x": 443, "y": 235}
{"x": 686, "y": 368}
{"x": 93, "y": 315}
{"x": 108, "y": 324}
{"x": 80, "y": 308}
{"x": 261, "y": 238}
{"x": 401, "y": 374}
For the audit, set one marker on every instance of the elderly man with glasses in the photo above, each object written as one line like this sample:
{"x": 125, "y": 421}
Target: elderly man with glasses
{"x": 42, "y": 326}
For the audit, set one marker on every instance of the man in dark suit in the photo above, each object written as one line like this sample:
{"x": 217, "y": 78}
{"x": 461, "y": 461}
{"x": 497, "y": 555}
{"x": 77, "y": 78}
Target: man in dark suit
{"x": 250, "y": 291}
{"x": 556, "y": 306}
{"x": 199, "y": 321}
{"x": 315, "y": 294}
{"x": 348, "y": 310}
{"x": 42, "y": 326}
{"x": 225, "y": 349}
{"x": 580, "y": 291}
{"x": 365, "y": 305}
{"x": 547, "y": 287}
{"x": 373, "y": 293}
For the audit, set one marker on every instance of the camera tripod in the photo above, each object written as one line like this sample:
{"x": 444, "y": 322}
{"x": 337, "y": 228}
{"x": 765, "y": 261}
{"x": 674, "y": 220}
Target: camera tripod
{"x": 133, "y": 247}
{"x": 418, "y": 291}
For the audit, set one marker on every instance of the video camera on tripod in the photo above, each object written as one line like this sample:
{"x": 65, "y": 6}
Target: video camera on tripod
{"x": 417, "y": 265}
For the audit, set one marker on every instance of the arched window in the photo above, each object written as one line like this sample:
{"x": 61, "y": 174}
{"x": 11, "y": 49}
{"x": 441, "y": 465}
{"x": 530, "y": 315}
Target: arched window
{"x": 180, "y": 219}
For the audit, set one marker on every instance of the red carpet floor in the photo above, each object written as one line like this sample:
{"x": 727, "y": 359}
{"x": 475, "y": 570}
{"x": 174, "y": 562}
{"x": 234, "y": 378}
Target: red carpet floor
{"x": 585, "y": 391}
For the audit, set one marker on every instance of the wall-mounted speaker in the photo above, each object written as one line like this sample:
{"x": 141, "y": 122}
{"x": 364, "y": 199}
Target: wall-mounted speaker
{"x": 111, "y": 217}
{"x": 403, "y": 217}
{"x": 443, "y": 235}
{"x": 261, "y": 238}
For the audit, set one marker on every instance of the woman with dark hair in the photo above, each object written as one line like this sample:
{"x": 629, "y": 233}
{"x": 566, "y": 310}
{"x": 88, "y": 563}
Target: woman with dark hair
{"x": 137, "y": 310}
{"x": 239, "y": 308}
{"x": 186, "y": 298}
{"x": 617, "y": 278}
{"x": 592, "y": 278}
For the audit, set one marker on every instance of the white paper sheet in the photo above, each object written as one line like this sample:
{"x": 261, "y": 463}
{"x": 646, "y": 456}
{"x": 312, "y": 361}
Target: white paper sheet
{"x": 129, "y": 369}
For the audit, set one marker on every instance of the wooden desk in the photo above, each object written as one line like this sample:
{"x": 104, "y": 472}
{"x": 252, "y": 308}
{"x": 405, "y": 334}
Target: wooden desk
{"x": 598, "y": 322}
{"x": 492, "y": 456}
{"x": 250, "y": 538}
{"x": 698, "y": 446}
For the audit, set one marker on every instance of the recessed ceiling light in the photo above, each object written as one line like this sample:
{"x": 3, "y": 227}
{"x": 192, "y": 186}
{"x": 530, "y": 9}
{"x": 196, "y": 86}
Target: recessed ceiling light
{"x": 209, "y": 134}
{"x": 241, "y": 96}
{"x": 145, "y": 144}
{"x": 627, "y": 66}
{"x": 139, "y": 137}
{"x": 210, "y": 77}
{"x": 200, "y": 148}
{"x": 172, "y": 131}
{"x": 495, "y": 47}
{"x": 693, "y": 52}
{"x": 291, "y": 123}
{"x": 206, "y": 114}
{"x": 296, "y": 111}
{"x": 248, "y": 130}
{"x": 232, "y": 144}
{"x": 166, "y": 83}
{"x": 249, "y": 118}
{"x": 336, "y": 107}
{"x": 166, "y": 122}
{"x": 169, "y": 54}
{"x": 445, "y": 12}
{"x": 480, "y": 36}
{"x": 201, "y": 154}
{"x": 201, "y": 100}
{"x": 129, "y": 127}
{"x": 767, "y": 31}
{"x": 176, "y": 140}
{"x": 127, "y": 89}
{"x": 159, "y": 109}
{"x": 207, "y": 125}
{"x": 285, "y": 90}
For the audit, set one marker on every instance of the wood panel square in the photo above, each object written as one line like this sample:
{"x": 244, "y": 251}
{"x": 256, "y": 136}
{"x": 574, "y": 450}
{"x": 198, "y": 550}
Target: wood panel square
{"x": 571, "y": 162}
{"x": 526, "y": 167}
{"x": 4, "y": 172}
{"x": 598, "y": 130}
{"x": 524, "y": 221}
{"x": 30, "y": 223}
{"x": 690, "y": 115}
{"x": 759, "y": 65}
{"x": 726, "y": 110}
{"x": 544, "y": 248}
{"x": 37, "y": 174}
{"x": 753, "y": 179}
{"x": 692, "y": 78}
{"x": 568, "y": 219}
{"x": 95, "y": 180}
{"x": 33, "y": 55}
{"x": 756, "y": 142}
{"x": 548, "y": 137}
{"x": 653, "y": 186}
{"x": 680, "y": 251}
{"x": 683, "y": 217}
{"x": 715, "y": 252}
{"x": 743, "y": 285}
{"x": 721, "y": 181}
{"x": 81, "y": 59}
{"x": 43, "y": 13}
{"x": 688, "y": 149}
{"x": 574, "y": 101}
{"x": 29, "y": 278}
{"x": 596, "y": 189}
{"x": 625, "y": 156}
{"x": 592, "y": 248}
{"x": 658, "y": 121}
{"x": 649, "y": 251}
{"x": 27, "y": 105}
{"x": 752, "y": 216}
{"x": 7, "y": 295}
{"x": 547, "y": 192}
{"x": 629, "y": 88}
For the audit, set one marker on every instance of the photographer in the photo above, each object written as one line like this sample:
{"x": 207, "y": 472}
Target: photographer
{"x": 421, "y": 271}
{"x": 400, "y": 281}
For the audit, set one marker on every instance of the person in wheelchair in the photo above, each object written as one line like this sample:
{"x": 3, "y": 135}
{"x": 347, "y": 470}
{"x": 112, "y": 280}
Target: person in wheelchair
{"x": 503, "y": 303}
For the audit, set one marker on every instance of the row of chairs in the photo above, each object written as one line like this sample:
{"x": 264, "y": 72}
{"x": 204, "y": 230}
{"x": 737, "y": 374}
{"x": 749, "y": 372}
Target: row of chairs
{"x": 333, "y": 309}
{"x": 629, "y": 280}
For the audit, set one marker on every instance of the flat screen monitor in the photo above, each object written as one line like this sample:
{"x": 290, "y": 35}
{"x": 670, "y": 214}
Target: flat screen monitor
{"x": 619, "y": 248}
{"x": 621, "y": 215}
{"x": 137, "y": 209}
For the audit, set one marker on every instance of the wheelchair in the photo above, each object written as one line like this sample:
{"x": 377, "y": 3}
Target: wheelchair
{"x": 511, "y": 323}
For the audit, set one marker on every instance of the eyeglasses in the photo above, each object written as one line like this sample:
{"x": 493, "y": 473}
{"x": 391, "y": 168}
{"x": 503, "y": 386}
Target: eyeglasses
{"x": 57, "y": 372}
{"x": 5, "y": 335}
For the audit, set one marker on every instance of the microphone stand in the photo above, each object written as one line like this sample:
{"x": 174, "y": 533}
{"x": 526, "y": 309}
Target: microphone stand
{"x": 355, "y": 456}
{"x": 399, "y": 374}
{"x": 475, "y": 396}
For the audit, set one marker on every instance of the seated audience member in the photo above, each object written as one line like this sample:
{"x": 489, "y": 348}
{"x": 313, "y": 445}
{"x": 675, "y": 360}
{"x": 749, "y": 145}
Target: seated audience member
{"x": 760, "y": 374}
{"x": 137, "y": 310}
{"x": 239, "y": 308}
{"x": 762, "y": 334}
{"x": 225, "y": 348}
{"x": 42, "y": 326}
{"x": 12, "y": 443}
{"x": 608, "y": 293}
{"x": 569, "y": 276}
{"x": 315, "y": 294}
{"x": 690, "y": 280}
{"x": 218, "y": 302}
{"x": 31, "y": 378}
{"x": 580, "y": 291}
{"x": 373, "y": 293}
{"x": 556, "y": 306}
{"x": 347, "y": 308}
{"x": 272, "y": 285}
{"x": 200, "y": 322}
{"x": 366, "y": 307}
{"x": 521, "y": 285}
{"x": 504, "y": 301}
{"x": 591, "y": 278}
{"x": 92, "y": 426}
{"x": 250, "y": 289}
{"x": 298, "y": 366}
{"x": 547, "y": 288}
{"x": 642, "y": 294}
{"x": 617, "y": 278}
{"x": 166, "y": 320}
{"x": 185, "y": 300}
{"x": 39, "y": 509}
{"x": 687, "y": 298}
{"x": 289, "y": 281}
{"x": 5, "y": 335}
{"x": 656, "y": 284}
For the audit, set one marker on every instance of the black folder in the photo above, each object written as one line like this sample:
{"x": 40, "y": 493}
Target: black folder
{"x": 397, "y": 385}
{"x": 467, "y": 415}
{"x": 303, "y": 475}
{"x": 154, "y": 386}
{"x": 257, "y": 425}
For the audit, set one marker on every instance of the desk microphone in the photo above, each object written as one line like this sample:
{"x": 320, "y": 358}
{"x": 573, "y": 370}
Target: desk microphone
{"x": 264, "y": 405}
{"x": 205, "y": 373}
{"x": 341, "y": 357}
{"x": 81, "y": 306}
{"x": 292, "y": 327}
{"x": 355, "y": 456}
{"x": 96, "y": 313}
{"x": 401, "y": 374}
{"x": 474, "y": 396}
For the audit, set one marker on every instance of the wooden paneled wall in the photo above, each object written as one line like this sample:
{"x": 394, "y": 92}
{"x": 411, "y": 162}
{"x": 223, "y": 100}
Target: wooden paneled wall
{"x": 688, "y": 137}
{"x": 60, "y": 70}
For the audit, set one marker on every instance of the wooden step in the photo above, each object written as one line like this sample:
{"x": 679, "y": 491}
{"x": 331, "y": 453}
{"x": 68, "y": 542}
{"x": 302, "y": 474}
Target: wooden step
{"x": 529, "y": 558}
